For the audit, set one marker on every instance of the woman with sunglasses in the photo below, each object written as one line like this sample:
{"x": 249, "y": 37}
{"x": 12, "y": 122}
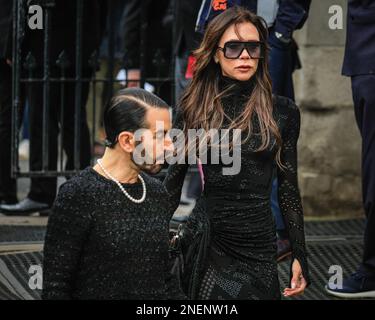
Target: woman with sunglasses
{"x": 229, "y": 240}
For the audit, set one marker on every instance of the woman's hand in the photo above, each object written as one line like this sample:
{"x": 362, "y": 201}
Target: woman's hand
{"x": 298, "y": 282}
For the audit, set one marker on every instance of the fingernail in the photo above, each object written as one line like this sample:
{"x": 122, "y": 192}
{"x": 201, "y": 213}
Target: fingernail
{"x": 293, "y": 285}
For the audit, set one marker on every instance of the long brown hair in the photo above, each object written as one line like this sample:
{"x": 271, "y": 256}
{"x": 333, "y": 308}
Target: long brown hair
{"x": 201, "y": 105}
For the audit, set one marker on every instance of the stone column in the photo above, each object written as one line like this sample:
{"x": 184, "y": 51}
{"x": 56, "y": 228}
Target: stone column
{"x": 329, "y": 145}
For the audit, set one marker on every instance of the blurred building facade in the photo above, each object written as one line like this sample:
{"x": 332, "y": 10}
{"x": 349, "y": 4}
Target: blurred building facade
{"x": 329, "y": 145}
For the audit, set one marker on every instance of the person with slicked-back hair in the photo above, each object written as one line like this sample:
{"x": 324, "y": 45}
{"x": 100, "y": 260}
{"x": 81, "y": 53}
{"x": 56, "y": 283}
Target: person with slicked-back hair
{"x": 108, "y": 235}
{"x": 229, "y": 240}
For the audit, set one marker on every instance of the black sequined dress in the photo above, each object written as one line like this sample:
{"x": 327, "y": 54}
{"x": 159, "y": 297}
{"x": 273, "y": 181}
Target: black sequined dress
{"x": 229, "y": 240}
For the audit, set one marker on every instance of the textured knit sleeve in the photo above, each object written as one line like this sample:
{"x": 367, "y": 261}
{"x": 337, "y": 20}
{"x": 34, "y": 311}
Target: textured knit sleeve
{"x": 175, "y": 177}
{"x": 289, "y": 195}
{"x": 67, "y": 230}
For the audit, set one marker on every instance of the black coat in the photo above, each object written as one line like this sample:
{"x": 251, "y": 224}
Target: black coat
{"x": 63, "y": 32}
{"x": 5, "y": 26}
{"x": 360, "y": 39}
{"x": 157, "y": 36}
{"x": 186, "y": 16}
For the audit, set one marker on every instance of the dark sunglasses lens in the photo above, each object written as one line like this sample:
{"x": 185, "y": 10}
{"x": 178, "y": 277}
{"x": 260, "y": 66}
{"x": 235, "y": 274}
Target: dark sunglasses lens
{"x": 233, "y": 50}
{"x": 254, "y": 50}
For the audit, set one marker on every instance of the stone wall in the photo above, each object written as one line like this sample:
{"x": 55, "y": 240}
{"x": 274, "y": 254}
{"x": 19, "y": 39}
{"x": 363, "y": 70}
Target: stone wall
{"x": 330, "y": 145}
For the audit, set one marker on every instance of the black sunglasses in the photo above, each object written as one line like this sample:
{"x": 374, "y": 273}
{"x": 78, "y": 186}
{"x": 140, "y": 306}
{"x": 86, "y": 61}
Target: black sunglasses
{"x": 233, "y": 49}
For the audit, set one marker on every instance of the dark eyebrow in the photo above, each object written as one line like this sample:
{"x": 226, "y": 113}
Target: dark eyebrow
{"x": 236, "y": 40}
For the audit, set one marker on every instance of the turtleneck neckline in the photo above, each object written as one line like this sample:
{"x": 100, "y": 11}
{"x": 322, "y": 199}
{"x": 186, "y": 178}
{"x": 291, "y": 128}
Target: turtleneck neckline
{"x": 239, "y": 87}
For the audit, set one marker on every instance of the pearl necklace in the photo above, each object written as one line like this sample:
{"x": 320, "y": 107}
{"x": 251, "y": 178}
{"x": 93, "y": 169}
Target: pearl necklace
{"x": 121, "y": 187}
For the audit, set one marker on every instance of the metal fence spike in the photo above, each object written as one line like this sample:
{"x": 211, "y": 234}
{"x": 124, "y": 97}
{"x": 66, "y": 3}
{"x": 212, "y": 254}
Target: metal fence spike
{"x": 94, "y": 60}
{"x": 63, "y": 61}
{"x": 30, "y": 62}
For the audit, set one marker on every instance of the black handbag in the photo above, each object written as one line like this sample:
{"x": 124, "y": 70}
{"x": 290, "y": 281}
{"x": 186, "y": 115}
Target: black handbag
{"x": 189, "y": 250}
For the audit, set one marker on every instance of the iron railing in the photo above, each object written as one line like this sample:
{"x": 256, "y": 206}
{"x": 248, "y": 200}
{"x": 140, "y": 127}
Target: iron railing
{"x": 24, "y": 66}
